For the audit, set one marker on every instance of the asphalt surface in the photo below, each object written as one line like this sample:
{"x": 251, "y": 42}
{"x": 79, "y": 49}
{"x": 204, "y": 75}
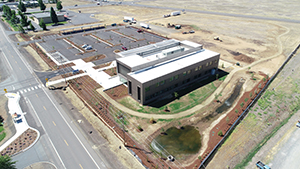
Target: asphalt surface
{"x": 61, "y": 141}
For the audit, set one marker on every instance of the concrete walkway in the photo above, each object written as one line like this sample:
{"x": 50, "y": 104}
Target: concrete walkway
{"x": 19, "y": 121}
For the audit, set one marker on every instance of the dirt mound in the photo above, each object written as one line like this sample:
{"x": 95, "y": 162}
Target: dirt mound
{"x": 241, "y": 57}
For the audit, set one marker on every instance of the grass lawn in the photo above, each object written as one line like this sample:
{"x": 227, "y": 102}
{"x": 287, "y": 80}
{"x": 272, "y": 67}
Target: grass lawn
{"x": 2, "y": 133}
{"x": 59, "y": 23}
{"x": 189, "y": 97}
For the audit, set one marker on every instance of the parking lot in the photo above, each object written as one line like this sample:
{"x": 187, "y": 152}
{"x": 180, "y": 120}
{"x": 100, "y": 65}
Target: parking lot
{"x": 103, "y": 41}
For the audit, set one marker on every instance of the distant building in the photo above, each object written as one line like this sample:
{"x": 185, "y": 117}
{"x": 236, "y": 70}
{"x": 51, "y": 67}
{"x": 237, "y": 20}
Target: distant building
{"x": 46, "y": 17}
{"x": 158, "y": 69}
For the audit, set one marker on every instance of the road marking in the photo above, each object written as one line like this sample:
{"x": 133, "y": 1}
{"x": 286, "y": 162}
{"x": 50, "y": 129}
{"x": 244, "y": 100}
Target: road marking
{"x": 66, "y": 143}
{"x": 25, "y": 90}
{"x": 21, "y": 91}
{"x": 44, "y": 107}
{"x": 28, "y": 89}
{"x": 39, "y": 86}
{"x": 20, "y": 68}
{"x": 36, "y": 95}
{"x": 35, "y": 87}
{"x": 46, "y": 132}
{"x": 80, "y": 166}
{"x": 71, "y": 129}
{"x": 7, "y": 59}
{"x": 32, "y": 88}
{"x": 54, "y": 123}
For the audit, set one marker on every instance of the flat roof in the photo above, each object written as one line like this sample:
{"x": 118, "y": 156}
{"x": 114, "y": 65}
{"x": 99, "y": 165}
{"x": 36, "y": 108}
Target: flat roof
{"x": 173, "y": 65}
{"x": 43, "y": 15}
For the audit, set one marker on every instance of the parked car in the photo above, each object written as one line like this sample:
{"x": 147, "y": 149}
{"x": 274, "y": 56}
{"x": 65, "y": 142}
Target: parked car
{"x": 184, "y": 32}
{"x": 298, "y": 124}
{"x": 192, "y": 31}
{"x": 75, "y": 5}
{"x": 114, "y": 24}
{"x": 124, "y": 48}
{"x": 88, "y": 48}
{"x": 84, "y": 45}
{"x": 140, "y": 30}
{"x": 261, "y": 165}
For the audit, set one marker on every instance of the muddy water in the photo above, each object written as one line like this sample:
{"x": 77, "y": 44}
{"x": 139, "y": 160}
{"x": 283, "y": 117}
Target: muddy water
{"x": 228, "y": 103}
{"x": 185, "y": 140}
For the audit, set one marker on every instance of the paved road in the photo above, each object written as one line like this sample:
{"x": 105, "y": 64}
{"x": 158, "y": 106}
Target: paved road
{"x": 62, "y": 142}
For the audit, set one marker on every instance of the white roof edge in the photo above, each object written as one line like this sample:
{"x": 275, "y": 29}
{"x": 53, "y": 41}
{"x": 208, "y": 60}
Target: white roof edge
{"x": 192, "y": 44}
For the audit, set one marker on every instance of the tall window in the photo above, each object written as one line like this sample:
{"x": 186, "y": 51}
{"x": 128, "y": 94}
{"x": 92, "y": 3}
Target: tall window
{"x": 196, "y": 68}
{"x": 171, "y": 79}
{"x": 200, "y": 67}
{"x": 207, "y": 64}
{"x": 184, "y": 73}
{"x": 176, "y": 77}
{"x": 162, "y": 82}
{"x": 147, "y": 89}
{"x": 189, "y": 72}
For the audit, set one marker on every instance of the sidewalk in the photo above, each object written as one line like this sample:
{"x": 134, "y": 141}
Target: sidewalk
{"x": 18, "y": 118}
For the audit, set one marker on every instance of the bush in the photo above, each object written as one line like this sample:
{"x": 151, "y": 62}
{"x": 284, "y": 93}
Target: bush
{"x": 236, "y": 111}
{"x": 242, "y": 104}
{"x": 246, "y": 99}
{"x": 220, "y": 133}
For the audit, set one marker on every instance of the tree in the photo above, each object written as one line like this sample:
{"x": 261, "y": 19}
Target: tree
{"x": 21, "y": 29}
{"x": 32, "y": 27}
{"x": 22, "y": 6}
{"x": 7, "y": 12}
{"x": 42, "y": 5}
{"x": 42, "y": 24}
{"x": 24, "y": 21}
{"x": 7, "y": 163}
{"x": 53, "y": 16}
{"x": 176, "y": 94}
{"x": 59, "y": 6}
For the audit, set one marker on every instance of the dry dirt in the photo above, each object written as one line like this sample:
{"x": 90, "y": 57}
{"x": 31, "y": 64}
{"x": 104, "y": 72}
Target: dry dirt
{"x": 41, "y": 63}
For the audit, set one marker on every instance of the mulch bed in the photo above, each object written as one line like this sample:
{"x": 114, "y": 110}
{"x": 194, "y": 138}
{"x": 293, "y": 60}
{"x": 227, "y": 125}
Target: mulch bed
{"x": 85, "y": 88}
{"x": 230, "y": 118}
{"x": 94, "y": 58}
{"x": 39, "y": 51}
{"x": 26, "y": 37}
{"x": 117, "y": 92}
{"x": 21, "y": 143}
{"x": 111, "y": 71}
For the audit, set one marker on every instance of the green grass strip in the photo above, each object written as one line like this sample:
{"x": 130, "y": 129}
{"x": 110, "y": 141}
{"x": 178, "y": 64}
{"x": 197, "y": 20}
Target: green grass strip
{"x": 2, "y": 136}
{"x": 252, "y": 153}
{"x": 1, "y": 128}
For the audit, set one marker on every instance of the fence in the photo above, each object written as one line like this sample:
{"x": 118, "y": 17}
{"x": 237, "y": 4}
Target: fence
{"x": 214, "y": 151}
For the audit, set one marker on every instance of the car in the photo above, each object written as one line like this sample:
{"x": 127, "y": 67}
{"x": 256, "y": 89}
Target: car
{"x": 191, "y": 31}
{"x": 88, "y": 48}
{"x": 140, "y": 30}
{"x": 184, "y": 32}
{"x": 114, "y": 24}
{"x": 75, "y": 5}
{"x": 124, "y": 48}
{"x": 298, "y": 124}
{"x": 84, "y": 45}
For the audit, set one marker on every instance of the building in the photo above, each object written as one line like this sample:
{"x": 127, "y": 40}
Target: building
{"x": 158, "y": 69}
{"x": 46, "y": 17}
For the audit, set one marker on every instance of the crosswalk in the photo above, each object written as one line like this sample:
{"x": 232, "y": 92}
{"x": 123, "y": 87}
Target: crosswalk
{"x": 29, "y": 89}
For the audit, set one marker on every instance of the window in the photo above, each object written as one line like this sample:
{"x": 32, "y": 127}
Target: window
{"x": 184, "y": 73}
{"x": 147, "y": 89}
{"x": 196, "y": 68}
{"x": 216, "y": 61}
{"x": 171, "y": 79}
{"x": 210, "y": 62}
{"x": 176, "y": 77}
{"x": 189, "y": 72}
{"x": 157, "y": 84}
{"x": 129, "y": 87}
{"x": 200, "y": 67}
{"x": 162, "y": 82}
{"x": 207, "y": 64}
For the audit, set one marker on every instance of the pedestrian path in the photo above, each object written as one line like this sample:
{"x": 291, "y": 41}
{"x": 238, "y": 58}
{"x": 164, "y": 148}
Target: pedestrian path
{"x": 29, "y": 89}
{"x": 19, "y": 120}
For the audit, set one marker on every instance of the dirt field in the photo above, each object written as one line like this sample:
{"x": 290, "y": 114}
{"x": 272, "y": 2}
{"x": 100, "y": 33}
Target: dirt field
{"x": 257, "y": 45}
